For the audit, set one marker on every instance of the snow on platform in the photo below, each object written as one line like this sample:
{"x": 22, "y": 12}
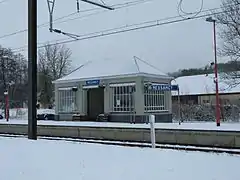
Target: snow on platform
{"x": 23, "y": 159}
{"x": 195, "y": 125}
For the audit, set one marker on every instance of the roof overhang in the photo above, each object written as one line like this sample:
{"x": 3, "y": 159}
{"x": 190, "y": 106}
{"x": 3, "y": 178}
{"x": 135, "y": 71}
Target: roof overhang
{"x": 61, "y": 81}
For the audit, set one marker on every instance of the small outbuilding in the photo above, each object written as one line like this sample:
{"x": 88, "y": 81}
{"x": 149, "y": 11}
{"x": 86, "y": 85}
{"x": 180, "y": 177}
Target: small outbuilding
{"x": 204, "y": 91}
{"x": 115, "y": 91}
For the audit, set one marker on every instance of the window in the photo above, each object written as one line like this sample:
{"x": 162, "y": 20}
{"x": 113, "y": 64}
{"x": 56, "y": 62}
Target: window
{"x": 206, "y": 101}
{"x": 67, "y": 100}
{"x": 154, "y": 99}
{"x": 123, "y": 97}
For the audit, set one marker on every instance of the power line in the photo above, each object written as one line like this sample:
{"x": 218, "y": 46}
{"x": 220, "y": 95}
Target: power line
{"x": 3, "y": 1}
{"x": 75, "y": 36}
{"x": 59, "y": 31}
{"x": 51, "y": 5}
{"x": 157, "y": 23}
{"x": 98, "y": 4}
{"x": 168, "y": 18}
{"x": 180, "y": 9}
{"x": 113, "y": 30}
{"x": 132, "y": 27}
{"x": 120, "y": 6}
{"x": 57, "y": 20}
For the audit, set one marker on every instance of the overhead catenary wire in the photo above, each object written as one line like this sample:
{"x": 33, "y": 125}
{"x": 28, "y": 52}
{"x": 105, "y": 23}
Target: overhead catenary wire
{"x": 143, "y": 25}
{"x": 184, "y": 13}
{"x": 111, "y": 29}
{"x": 57, "y": 20}
{"x": 120, "y": 6}
{"x": 132, "y": 27}
{"x": 102, "y": 1}
{"x": 74, "y": 36}
{"x": 3, "y": 1}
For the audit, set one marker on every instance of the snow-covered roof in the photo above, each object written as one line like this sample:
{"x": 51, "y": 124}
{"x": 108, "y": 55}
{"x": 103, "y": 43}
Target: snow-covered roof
{"x": 109, "y": 68}
{"x": 202, "y": 84}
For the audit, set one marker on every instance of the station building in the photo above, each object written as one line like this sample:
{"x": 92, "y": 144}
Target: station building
{"x": 122, "y": 91}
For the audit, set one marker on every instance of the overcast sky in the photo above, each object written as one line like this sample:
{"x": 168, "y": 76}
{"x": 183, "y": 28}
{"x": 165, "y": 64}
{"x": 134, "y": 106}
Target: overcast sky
{"x": 169, "y": 47}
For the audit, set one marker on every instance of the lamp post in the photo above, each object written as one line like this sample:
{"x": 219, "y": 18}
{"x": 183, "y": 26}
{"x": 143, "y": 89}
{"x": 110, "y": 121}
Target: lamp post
{"x": 210, "y": 19}
{"x": 6, "y": 105}
{"x": 6, "y": 109}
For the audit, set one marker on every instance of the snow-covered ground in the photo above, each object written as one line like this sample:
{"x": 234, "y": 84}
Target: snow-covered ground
{"x": 23, "y": 159}
{"x": 19, "y": 116}
{"x": 22, "y": 113}
{"x": 195, "y": 125}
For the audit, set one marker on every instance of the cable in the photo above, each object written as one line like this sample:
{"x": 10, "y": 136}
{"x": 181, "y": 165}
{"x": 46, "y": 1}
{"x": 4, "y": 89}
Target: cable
{"x": 143, "y": 25}
{"x": 3, "y": 1}
{"x": 106, "y": 32}
{"x": 180, "y": 10}
{"x": 116, "y": 6}
{"x": 59, "y": 31}
{"x": 120, "y": 7}
{"x": 102, "y": 1}
{"x": 44, "y": 24}
{"x": 103, "y": 31}
{"x": 133, "y": 27}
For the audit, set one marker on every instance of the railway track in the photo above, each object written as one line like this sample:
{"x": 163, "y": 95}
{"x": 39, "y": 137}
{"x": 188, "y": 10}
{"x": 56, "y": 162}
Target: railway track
{"x": 135, "y": 144}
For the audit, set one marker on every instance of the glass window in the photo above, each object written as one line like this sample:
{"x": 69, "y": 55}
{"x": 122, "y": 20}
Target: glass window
{"x": 123, "y": 98}
{"x": 154, "y": 99}
{"x": 66, "y": 100}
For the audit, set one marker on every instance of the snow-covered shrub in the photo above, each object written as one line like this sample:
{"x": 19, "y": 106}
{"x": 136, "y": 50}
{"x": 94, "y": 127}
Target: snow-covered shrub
{"x": 204, "y": 112}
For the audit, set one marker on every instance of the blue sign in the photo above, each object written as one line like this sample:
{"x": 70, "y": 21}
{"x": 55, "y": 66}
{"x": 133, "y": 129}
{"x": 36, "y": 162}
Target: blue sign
{"x": 174, "y": 88}
{"x": 92, "y": 82}
{"x": 163, "y": 87}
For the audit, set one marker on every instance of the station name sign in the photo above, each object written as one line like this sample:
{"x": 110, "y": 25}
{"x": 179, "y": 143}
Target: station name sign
{"x": 92, "y": 82}
{"x": 164, "y": 87}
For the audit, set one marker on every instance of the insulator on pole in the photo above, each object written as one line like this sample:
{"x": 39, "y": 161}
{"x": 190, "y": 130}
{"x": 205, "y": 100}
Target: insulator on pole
{"x": 78, "y": 6}
{"x": 51, "y": 4}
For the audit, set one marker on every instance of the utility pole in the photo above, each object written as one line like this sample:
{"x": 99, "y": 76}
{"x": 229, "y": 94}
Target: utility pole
{"x": 32, "y": 69}
{"x": 5, "y": 59}
{"x": 218, "y": 113}
{"x": 4, "y": 83}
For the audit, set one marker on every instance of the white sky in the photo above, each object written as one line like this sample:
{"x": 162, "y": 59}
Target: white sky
{"x": 170, "y": 47}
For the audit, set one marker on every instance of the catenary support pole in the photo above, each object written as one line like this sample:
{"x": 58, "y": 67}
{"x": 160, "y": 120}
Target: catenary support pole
{"x": 32, "y": 69}
{"x": 152, "y": 127}
{"x": 218, "y": 113}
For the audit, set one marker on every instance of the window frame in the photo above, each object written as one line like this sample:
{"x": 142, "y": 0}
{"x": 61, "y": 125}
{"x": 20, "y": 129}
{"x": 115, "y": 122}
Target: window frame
{"x": 154, "y": 99}
{"x": 125, "y": 92}
{"x": 66, "y": 97}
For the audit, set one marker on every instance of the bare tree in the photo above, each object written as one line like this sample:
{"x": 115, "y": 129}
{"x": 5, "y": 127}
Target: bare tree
{"x": 53, "y": 63}
{"x": 229, "y": 23}
{"x": 13, "y": 76}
